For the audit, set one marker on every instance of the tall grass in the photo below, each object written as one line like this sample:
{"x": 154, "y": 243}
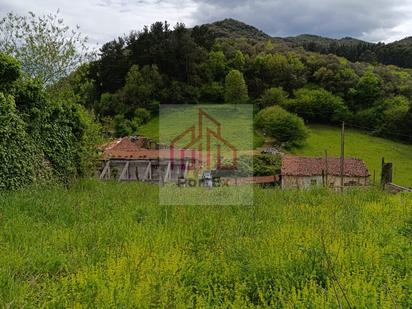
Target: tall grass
{"x": 108, "y": 244}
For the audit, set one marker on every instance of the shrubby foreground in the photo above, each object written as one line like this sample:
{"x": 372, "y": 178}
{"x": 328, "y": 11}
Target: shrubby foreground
{"x": 109, "y": 244}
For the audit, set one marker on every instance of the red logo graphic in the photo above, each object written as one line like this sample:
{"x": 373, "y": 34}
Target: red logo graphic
{"x": 197, "y": 140}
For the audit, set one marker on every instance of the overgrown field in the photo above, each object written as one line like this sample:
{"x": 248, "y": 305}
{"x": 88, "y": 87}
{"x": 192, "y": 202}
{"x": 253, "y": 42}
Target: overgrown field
{"x": 110, "y": 244}
{"x": 358, "y": 144}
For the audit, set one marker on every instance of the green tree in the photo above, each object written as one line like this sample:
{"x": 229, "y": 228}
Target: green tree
{"x": 109, "y": 105}
{"x": 216, "y": 65}
{"x": 273, "y": 96}
{"x": 368, "y": 89}
{"x": 282, "y": 70}
{"x": 273, "y": 69}
{"x": 235, "y": 88}
{"x": 9, "y": 71}
{"x": 140, "y": 91}
{"x": 407, "y": 124}
{"x": 124, "y": 127}
{"x": 212, "y": 92}
{"x": 285, "y": 127}
{"x": 46, "y": 47}
{"x": 182, "y": 93}
{"x": 318, "y": 105}
{"x": 238, "y": 61}
{"x": 394, "y": 115}
{"x": 78, "y": 87}
{"x": 203, "y": 36}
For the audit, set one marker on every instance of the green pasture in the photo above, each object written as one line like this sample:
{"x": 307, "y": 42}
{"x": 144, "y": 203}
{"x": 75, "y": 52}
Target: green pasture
{"x": 101, "y": 245}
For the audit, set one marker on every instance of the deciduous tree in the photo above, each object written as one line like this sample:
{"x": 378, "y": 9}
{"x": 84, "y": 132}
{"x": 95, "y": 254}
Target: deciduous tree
{"x": 45, "y": 46}
{"x": 235, "y": 88}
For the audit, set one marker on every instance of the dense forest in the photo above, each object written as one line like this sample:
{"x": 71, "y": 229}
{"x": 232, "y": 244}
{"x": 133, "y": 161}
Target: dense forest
{"x": 210, "y": 63}
{"x": 397, "y": 53}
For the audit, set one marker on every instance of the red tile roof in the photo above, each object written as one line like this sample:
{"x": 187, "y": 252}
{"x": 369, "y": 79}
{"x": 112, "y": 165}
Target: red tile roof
{"x": 130, "y": 148}
{"x": 313, "y": 166}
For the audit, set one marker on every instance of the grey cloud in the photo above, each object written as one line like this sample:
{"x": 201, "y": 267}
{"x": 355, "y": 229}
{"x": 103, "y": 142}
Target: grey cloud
{"x": 103, "y": 20}
{"x": 334, "y": 18}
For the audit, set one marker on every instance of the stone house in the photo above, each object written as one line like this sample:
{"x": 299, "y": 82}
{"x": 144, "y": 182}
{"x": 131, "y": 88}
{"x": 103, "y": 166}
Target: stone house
{"x": 305, "y": 172}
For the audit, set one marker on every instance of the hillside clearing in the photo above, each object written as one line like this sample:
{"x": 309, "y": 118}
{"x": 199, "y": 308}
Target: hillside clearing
{"x": 237, "y": 124}
{"x": 361, "y": 145}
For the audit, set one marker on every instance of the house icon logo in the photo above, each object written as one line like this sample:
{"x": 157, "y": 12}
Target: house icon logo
{"x": 205, "y": 142}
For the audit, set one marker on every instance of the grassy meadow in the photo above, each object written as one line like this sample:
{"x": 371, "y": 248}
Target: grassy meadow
{"x": 358, "y": 144}
{"x": 237, "y": 123}
{"x": 111, "y": 245}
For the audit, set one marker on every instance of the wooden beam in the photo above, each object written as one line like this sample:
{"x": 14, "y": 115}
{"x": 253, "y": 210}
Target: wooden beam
{"x": 106, "y": 168}
{"x": 186, "y": 168}
{"x": 124, "y": 171}
{"x": 147, "y": 173}
{"x": 167, "y": 172}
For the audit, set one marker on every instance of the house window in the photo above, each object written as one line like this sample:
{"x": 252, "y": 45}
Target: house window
{"x": 313, "y": 182}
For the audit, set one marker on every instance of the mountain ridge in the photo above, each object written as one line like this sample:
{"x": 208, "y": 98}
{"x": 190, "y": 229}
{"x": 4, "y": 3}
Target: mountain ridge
{"x": 233, "y": 22}
{"x": 397, "y": 53}
{"x": 230, "y": 27}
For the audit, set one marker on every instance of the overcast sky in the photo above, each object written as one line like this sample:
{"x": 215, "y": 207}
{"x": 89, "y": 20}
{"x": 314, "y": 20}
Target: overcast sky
{"x": 103, "y": 20}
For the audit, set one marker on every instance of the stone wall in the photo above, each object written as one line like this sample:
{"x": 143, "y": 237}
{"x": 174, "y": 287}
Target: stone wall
{"x": 311, "y": 181}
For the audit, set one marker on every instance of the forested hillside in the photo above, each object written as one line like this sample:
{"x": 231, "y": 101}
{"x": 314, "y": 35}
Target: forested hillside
{"x": 162, "y": 64}
{"x": 396, "y": 53}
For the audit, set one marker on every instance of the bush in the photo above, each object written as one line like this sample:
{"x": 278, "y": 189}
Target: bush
{"x": 273, "y": 96}
{"x": 368, "y": 118}
{"x": 257, "y": 165}
{"x": 124, "y": 127}
{"x": 109, "y": 105}
{"x": 68, "y": 137}
{"x": 386, "y": 117}
{"x": 41, "y": 137}
{"x": 287, "y": 128}
{"x": 266, "y": 165}
{"x": 18, "y": 155}
{"x": 141, "y": 116}
{"x": 318, "y": 105}
{"x": 394, "y": 115}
